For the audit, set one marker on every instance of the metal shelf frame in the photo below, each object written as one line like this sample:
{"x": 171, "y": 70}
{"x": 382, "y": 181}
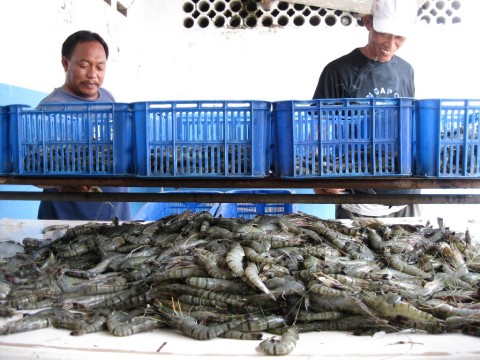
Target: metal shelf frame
{"x": 249, "y": 183}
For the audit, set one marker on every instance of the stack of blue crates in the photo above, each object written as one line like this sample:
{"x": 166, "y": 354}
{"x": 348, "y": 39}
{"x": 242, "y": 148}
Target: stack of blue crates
{"x": 156, "y": 210}
{"x": 248, "y": 210}
{"x": 237, "y": 139}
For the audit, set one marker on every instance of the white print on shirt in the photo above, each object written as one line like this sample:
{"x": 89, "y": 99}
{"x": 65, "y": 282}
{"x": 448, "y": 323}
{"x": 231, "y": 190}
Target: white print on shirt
{"x": 382, "y": 92}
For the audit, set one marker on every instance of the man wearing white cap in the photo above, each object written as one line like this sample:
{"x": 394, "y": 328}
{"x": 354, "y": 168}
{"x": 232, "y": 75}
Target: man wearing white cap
{"x": 374, "y": 71}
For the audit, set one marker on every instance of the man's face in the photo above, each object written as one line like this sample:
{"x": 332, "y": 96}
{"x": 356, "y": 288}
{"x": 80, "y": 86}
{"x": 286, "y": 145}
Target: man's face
{"x": 385, "y": 45}
{"x": 85, "y": 71}
{"x": 381, "y": 46}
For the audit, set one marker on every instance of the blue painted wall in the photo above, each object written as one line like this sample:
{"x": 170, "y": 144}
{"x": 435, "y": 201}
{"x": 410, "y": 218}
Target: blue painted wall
{"x": 323, "y": 211}
{"x": 16, "y": 209}
{"x": 16, "y": 95}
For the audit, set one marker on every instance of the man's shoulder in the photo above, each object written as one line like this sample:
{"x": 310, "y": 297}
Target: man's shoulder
{"x": 348, "y": 56}
{"x": 59, "y": 95}
{"x": 345, "y": 61}
{"x": 106, "y": 96}
{"x": 402, "y": 62}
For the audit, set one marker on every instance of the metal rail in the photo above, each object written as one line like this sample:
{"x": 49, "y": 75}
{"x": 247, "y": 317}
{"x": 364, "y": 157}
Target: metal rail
{"x": 250, "y": 183}
{"x": 388, "y": 199}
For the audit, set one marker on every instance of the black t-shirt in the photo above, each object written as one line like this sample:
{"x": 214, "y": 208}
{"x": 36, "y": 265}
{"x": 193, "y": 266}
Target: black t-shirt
{"x": 356, "y": 76}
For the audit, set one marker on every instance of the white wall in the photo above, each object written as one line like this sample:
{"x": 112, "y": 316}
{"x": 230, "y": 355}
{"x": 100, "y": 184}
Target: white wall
{"x": 153, "y": 57}
{"x": 172, "y": 62}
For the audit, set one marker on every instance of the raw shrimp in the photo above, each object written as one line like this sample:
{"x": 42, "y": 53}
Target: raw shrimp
{"x": 191, "y": 328}
{"x": 251, "y": 273}
{"x": 382, "y": 307}
{"x": 179, "y": 273}
{"x": 262, "y": 324}
{"x": 283, "y": 346}
{"x": 208, "y": 261}
{"x": 235, "y": 260}
{"x": 40, "y": 320}
{"x": 230, "y": 286}
{"x": 122, "y": 324}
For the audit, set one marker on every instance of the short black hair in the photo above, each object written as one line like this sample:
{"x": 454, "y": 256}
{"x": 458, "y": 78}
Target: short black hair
{"x": 78, "y": 37}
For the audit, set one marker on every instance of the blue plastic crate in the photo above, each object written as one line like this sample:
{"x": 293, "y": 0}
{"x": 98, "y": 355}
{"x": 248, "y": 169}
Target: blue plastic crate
{"x": 157, "y": 210}
{"x": 343, "y": 137}
{"x": 202, "y": 138}
{"x": 5, "y": 153}
{"x": 250, "y": 210}
{"x": 447, "y": 138}
{"x": 73, "y": 139}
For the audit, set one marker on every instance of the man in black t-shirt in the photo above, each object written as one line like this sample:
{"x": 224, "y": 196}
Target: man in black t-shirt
{"x": 374, "y": 71}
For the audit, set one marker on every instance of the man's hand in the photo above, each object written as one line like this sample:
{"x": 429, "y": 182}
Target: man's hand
{"x": 72, "y": 188}
{"x": 329, "y": 191}
{"x": 79, "y": 189}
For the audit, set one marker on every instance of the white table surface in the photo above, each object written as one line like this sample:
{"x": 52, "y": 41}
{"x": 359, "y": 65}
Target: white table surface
{"x": 54, "y": 343}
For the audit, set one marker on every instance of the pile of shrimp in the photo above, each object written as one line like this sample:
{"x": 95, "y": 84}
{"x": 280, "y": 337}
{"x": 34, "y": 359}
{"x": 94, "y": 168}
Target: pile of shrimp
{"x": 210, "y": 277}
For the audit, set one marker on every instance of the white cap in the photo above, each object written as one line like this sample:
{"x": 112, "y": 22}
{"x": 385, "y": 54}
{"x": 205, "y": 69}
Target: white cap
{"x": 396, "y": 17}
